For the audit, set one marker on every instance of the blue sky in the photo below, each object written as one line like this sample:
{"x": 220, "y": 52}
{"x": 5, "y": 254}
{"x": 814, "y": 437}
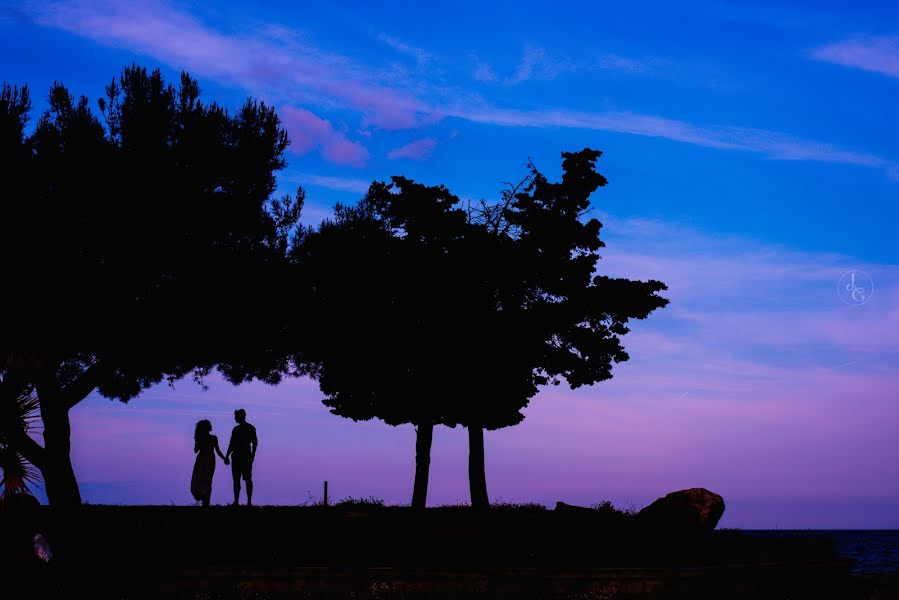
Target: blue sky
{"x": 752, "y": 159}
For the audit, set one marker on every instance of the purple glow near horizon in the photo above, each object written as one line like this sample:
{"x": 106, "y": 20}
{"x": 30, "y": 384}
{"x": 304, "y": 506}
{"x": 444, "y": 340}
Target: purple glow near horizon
{"x": 751, "y": 155}
{"x": 786, "y": 408}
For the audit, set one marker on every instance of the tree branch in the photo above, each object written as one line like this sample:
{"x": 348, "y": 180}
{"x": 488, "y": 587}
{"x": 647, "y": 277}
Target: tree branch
{"x": 78, "y": 390}
{"x": 27, "y": 447}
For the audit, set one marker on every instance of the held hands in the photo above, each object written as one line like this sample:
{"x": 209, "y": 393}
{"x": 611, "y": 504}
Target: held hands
{"x": 227, "y": 461}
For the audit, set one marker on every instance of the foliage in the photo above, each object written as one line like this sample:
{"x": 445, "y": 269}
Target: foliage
{"x": 606, "y": 507}
{"x": 147, "y": 239}
{"x": 549, "y": 281}
{"x": 16, "y": 473}
{"x": 383, "y": 302}
{"x": 473, "y": 309}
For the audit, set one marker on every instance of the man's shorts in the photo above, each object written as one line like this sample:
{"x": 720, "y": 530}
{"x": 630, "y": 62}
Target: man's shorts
{"x": 241, "y": 467}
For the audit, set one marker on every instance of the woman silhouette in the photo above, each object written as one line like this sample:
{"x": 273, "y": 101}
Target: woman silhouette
{"x": 204, "y": 444}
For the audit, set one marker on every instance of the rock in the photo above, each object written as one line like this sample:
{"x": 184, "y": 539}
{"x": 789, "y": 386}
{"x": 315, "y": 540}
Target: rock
{"x": 695, "y": 509}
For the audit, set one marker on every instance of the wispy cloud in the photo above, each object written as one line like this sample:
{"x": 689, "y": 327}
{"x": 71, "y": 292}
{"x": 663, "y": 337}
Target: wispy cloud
{"x": 878, "y": 54}
{"x": 538, "y": 64}
{"x": 614, "y": 62}
{"x": 764, "y": 295}
{"x": 267, "y": 58}
{"x": 418, "y": 150}
{"x": 483, "y": 72}
{"x": 771, "y": 144}
{"x": 341, "y": 184}
{"x": 421, "y": 56}
{"x": 281, "y": 65}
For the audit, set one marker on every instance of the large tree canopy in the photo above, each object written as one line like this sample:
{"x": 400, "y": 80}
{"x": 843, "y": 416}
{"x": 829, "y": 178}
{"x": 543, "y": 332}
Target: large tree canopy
{"x": 429, "y": 314}
{"x": 147, "y": 238}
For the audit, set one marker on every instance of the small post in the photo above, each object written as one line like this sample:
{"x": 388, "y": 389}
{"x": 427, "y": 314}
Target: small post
{"x": 326, "y": 494}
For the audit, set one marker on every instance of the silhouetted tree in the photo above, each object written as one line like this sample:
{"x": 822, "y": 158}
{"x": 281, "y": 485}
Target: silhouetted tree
{"x": 552, "y": 316}
{"x": 147, "y": 246}
{"x": 429, "y": 314}
{"x": 383, "y": 299}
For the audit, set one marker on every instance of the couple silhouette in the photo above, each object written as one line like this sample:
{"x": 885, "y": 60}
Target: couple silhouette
{"x": 240, "y": 455}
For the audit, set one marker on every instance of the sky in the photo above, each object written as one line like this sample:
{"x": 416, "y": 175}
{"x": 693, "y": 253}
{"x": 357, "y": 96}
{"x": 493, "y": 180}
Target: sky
{"x": 751, "y": 154}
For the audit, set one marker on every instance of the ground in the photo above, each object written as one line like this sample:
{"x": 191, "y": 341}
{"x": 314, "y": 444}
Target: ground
{"x": 363, "y": 550}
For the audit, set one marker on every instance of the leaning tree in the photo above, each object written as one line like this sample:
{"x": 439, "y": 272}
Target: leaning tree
{"x": 141, "y": 244}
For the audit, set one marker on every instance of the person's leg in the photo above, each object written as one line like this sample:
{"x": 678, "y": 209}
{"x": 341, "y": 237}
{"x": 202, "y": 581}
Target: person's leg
{"x": 235, "y": 473}
{"x": 248, "y": 479}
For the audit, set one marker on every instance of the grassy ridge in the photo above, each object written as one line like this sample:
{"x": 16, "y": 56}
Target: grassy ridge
{"x": 361, "y": 549}
{"x": 367, "y": 533}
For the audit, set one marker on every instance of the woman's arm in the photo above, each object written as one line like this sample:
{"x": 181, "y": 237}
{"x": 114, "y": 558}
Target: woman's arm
{"x": 217, "y": 449}
{"x": 196, "y": 447}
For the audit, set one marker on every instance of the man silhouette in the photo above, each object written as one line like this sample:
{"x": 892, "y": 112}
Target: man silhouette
{"x": 243, "y": 446}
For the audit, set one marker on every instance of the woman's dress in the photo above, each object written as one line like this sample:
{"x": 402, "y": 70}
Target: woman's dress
{"x": 204, "y": 467}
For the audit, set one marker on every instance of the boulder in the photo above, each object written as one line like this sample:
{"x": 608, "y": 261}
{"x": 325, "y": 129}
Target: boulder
{"x": 696, "y": 509}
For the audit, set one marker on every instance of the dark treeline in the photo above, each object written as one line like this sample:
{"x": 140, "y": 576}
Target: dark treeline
{"x": 143, "y": 242}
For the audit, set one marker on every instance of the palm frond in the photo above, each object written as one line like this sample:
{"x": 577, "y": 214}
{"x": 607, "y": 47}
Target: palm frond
{"x": 28, "y": 411}
{"x": 22, "y": 413}
{"x": 17, "y": 473}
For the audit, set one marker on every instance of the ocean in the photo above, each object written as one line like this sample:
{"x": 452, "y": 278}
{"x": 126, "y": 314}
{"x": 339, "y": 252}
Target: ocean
{"x": 874, "y": 551}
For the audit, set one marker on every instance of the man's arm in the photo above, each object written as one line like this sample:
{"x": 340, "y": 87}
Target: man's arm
{"x": 230, "y": 443}
{"x": 255, "y": 441}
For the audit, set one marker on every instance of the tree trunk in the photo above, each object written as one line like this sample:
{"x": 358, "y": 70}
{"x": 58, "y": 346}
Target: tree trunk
{"x": 55, "y": 402}
{"x": 477, "y": 477}
{"x": 424, "y": 435}
{"x": 57, "y": 471}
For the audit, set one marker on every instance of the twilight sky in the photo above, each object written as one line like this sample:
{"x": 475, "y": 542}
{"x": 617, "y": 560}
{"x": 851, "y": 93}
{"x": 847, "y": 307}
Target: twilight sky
{"x": 752, "y": 158}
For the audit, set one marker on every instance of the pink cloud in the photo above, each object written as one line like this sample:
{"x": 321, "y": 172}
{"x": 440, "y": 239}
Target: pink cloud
{"x": 418, "y": 150}
{"x": 308, "y": 131}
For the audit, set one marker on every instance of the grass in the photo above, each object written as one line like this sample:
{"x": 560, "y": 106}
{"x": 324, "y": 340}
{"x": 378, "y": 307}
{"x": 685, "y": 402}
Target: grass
{"x": 368, "y": 503}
